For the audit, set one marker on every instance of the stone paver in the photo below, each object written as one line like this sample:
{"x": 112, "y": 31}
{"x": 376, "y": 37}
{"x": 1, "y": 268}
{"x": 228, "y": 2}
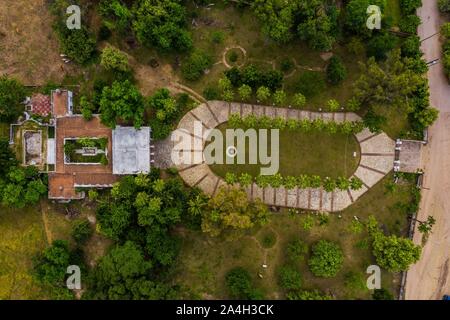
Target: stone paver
{"x": 380, "y": 144}
{"x": 358, "y": 193}
{"x": 369, "y": 177}
{"x": 247, "y": 109}
{"x": 341, "y": 200}
{"x": 280, "y": 197}
{"x": 220, "y": 109}
{"x": 380, "y": 163}
{"x": 292, "y": 195}
{"x": 235, "y": 108}
{"x": 363, "y": 135}
{"x": 339, "y": 117}
{"x": 315, "y": 199}
{"x": 326, "y": 201}
{"x": 376, "y": 159}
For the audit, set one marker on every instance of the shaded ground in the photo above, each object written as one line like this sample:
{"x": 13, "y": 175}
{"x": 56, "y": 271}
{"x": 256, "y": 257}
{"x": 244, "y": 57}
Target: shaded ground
{"x": 28, "y": 47}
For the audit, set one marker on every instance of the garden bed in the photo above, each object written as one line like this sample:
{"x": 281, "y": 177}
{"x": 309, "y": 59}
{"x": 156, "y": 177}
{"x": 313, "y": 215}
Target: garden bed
{"x": 86, "y": 150}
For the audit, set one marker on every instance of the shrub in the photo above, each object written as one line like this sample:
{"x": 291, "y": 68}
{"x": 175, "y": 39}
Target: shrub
{"x": 77, "y": 44}
{"x": 195, "y": 66}
{"x": 374, "y": 121}
{"x": 263, "y": 94}
{"x": 296, "y": 250}
{"x": 379, "y": 46}
{"x": 444, "y": 6}
{"x": 326, "y": 259}
{"x": 92, "y": 194}
{"x": 114, "y": 59}
{"x": 336, "y": 71}
{"x": 217, "y": 37}
{"x": 308, "y": 223}
{"x": 245, "y": 91}
{"x": 382, "y": 294}
{"x": 289, "y": 278}
{"x": 333, "y": 105}
{"x": 239, "y": 284}
{"x": 12, "y": 93}
{"x": 104, "y": 33}
{"x": 310, "y": 83}
{"x": 411, "y": 47}
{"x": 298, "y": 100}
{"x": 233, "y": 56}
{"x": 409, "y": 23}
{"x": 286, "y": 65}
{"x": 445, "y": 30}
{"x": 82, "y": 231}
{"x": 269, "y": 239}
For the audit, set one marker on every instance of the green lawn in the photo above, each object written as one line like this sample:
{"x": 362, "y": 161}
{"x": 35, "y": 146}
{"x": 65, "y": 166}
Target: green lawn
{"x": 204, "y": 261}
{"x": 314, "y": 153}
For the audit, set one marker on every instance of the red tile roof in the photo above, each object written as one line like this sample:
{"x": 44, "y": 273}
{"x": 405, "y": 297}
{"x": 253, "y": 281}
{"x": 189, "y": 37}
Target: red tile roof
{"x": 41, "y": 104}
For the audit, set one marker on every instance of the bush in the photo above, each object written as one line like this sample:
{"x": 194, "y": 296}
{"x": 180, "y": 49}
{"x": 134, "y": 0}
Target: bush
{"x": 409, "y": 24}
{"x": 382, "y": 294}
{"x": 296, "y": 250}
{"x": 310, "y": 83}
{"x": 114, "y": 59}
{"x": 286, "y": 65}
{"x": 12, "y": 93}
{"x": 82, "y": 231}
{"x": 411, "y": 47}
{"x": 336, "y": 71}
{"x": 374, "y": 121}
{"x": 77, "y": 44}
{"x": 289, "y": 278}
{"x": 195, "y": 66}
{"x": 307, "y": 295}
{"x": 444, "y": 6}
{"x": 217, "y": 37}
{"x": 269, "y": 239}
{"x": 239, "y": 284}
{"x": 380, "y": 45}
{"x": 445, "y": 30}
{"x": 326, "y": 259}
{"x": 255, "y": 77}
{"x": 103, "y": 33}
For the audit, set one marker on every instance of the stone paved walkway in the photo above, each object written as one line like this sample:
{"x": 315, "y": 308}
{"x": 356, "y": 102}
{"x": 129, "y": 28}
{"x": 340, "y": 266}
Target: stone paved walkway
{"x": 377, "y": 157}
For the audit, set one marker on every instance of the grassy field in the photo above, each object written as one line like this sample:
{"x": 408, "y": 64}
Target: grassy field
{"x": 300, "y": 153}
{"x": 205, "y": 261}
{"x": 24, "y": 233}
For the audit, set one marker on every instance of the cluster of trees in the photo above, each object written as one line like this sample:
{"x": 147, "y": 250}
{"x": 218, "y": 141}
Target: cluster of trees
{"x": 395, "y": 84}
{"x": 166, "y": 110}
{"x": 140, "y": 214}
{"x": 255, "y": 77}
{"x": 313, "y": 21}
{"x": 392, "y": 253}
{"x": 229, "y": 213}
{"x": 19, "y": 186}
{"x": 303, "y": 181}
{"x": 159, "y": 24}
{"x": 445, "y": 32}
{"x": 78, "y": 44}
{"x": 195, "y": 65}
{"x": 305, "y": 125}
{"x": 50, "y": 267}
{"x": 12, "y": 93}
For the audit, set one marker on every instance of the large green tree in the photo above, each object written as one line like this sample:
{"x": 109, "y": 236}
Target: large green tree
{"x": 122, "y": 102}
{"x": 230, "y": 212}
{"x": 12, "y": 93}
{"x": 161, "y": 24}
{"x": 326, "y": 259}
{"x": 393, "y": 253}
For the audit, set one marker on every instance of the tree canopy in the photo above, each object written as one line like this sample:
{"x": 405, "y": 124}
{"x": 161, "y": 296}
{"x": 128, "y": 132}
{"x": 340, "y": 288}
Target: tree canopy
{"x": 229, "y": 211}
{"x": 12, "y": 93}
{"x": 122, "y": 102}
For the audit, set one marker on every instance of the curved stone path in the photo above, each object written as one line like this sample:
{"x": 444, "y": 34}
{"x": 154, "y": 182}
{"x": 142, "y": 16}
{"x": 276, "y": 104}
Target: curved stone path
{"x": 377, "y": 157}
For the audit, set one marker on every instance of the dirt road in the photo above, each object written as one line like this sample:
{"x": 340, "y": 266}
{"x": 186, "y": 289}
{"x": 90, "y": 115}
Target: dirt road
{"x": 429, "y": 278}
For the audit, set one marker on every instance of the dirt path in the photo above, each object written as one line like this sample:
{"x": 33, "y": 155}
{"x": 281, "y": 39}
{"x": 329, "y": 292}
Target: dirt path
{"x": 428, "y": 279}
{"x": 48, "y": 234}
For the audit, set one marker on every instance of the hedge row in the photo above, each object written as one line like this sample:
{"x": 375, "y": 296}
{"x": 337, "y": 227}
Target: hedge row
{"x": 305, "y": 125}
{"x": 302, "y": 181}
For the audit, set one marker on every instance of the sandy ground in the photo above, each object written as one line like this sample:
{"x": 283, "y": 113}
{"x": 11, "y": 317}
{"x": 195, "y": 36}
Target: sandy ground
{"x": 429, "y": 278}
{"x": 28, "y": 46}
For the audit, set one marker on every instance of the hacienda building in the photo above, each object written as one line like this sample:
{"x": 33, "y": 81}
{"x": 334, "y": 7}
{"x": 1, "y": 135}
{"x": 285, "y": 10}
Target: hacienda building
{"x": 77, "y": 154}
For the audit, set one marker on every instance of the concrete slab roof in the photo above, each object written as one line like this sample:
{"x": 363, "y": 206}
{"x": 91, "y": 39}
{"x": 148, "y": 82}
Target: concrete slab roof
{"x": 131, "y": 150}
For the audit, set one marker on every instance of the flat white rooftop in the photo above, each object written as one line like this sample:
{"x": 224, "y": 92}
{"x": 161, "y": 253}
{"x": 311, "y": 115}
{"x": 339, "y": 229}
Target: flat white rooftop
{"x": 131, "y": 150}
